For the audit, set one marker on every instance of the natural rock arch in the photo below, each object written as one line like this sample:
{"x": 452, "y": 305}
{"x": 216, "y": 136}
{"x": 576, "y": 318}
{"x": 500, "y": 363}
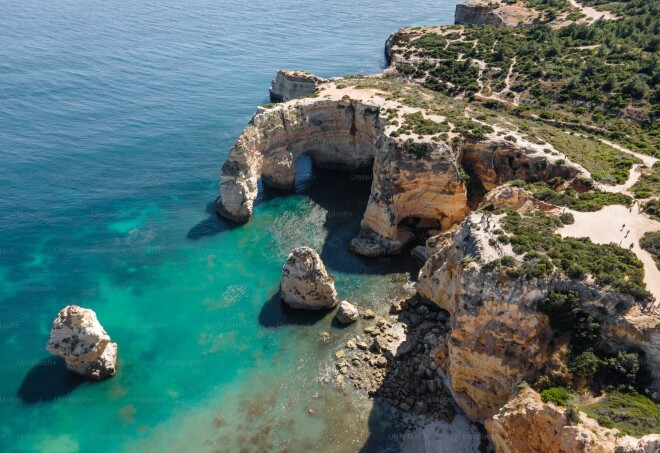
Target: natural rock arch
{"x": 418, "y": 179}
{"x": 421, "y": 179}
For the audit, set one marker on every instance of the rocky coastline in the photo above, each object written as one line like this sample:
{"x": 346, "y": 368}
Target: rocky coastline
{"x": 459, "y": 181}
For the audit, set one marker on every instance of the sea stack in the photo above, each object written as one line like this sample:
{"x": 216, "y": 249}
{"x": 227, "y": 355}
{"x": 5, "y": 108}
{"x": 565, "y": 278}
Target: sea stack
{"x": 78, "y": 337}
{"x": 305, "y": 282}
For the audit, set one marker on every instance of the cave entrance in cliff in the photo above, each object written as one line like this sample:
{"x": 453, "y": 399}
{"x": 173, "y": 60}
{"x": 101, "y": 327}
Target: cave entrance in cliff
{"x": 476, "y": 192}
{"x": 419, "y": 229}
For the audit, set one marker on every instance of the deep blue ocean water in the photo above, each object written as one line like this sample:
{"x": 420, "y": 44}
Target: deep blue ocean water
{"x": 115, "y": 118}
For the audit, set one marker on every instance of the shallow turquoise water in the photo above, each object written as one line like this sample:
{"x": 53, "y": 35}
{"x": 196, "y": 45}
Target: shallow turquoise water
{"x": 114, "y": 120}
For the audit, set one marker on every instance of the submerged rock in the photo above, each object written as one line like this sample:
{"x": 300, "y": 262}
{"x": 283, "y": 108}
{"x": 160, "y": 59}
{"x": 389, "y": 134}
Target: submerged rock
{"x": 347, "y": 313}
{"x": 78, "y": 337}
{"x": 305, "y": 282}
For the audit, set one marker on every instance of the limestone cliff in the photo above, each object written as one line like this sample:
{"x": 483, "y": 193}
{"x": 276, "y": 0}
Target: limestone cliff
{"x": 526, "y": 424}
{"x": 498, "y": 338}
{"x": 416, "y": 177}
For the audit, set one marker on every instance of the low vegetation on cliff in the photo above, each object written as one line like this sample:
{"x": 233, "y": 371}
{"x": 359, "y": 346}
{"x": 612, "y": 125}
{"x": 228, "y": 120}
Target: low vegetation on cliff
{"x": 555, "y": 193}
{"x": 649, "y": 183}
{"x": 631, "y": 413}
{"x": 592, "y": 367}
{"x": 544, "y": 252}
{"x": 600, "y": 78}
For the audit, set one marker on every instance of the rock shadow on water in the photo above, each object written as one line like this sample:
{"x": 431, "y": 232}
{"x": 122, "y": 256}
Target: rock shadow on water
{"x": 48, "y": 380}
{"x": 275, "y": 313}
{"x": 212, "y": 225}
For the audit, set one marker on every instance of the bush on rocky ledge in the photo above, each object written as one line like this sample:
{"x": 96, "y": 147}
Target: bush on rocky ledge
{"x": 590, "y": 201}
{"x": 651, "y": 243}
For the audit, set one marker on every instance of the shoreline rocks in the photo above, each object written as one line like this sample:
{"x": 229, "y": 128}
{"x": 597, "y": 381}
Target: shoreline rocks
{"x": 305, "y": 282}
{"x": 347, "y": 313}
{"x": 78, "y": 337}
{"x": 394, "y": 360}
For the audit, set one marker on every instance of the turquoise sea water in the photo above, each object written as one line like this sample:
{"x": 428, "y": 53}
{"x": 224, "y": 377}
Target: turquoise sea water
{"x": 115, "y": 118}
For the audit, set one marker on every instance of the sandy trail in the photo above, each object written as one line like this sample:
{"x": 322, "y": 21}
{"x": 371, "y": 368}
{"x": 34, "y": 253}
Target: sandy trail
{"x": 635, "y": 171}
{"x": 592, "y": 13}
{"x": 604, "y": 227}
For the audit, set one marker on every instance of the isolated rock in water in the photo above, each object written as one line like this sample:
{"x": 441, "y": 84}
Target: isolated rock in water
{"x": 78, "y": 337}
{"x": 305, "y": 283}
{"x": 347, "y": 313}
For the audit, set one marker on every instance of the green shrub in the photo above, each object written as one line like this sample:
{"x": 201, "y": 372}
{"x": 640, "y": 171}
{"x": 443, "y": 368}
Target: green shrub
{"x": 590, "y": 201}
{"x": 561, "y": 309}
{"x": 608, "y": 264}
{"x": 417, "y": 124}
{"x": 652, "y": 208}
{"x": 585, "y": 364}
{"x": 651, "y": 243}
{"x": 556, "y": 395}
{"x": 567, "y": 218}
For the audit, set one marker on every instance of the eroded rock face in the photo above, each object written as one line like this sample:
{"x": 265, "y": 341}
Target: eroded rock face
{"x": 409, "y": 179}
{"x": 417, "y": 181}
{"x": 498, "y": 338}
{"x": 78, "y": 337}
{"x": 492, "y": 12}
{"x": 526, "y": 424}
{"x": 347, "y": 313}
{"x": 305, "y": 282}
{"x": 288, "y": 85}
{"x": 335, "y": 134}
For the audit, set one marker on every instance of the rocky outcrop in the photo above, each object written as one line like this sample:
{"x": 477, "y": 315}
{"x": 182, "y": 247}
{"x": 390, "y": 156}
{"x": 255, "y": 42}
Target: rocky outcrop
{"x": 640, "y": 330}
{"x": 336, "y": 134}
{"x": 305, "y": 282}
{"x": 498, "y": 338}
{"x": 526, "y": 424}
{"x": 419, "y": 180}
{"x": 347, "y": 313}
{"x": 288, "y": 85}
{"x": 492, "y": 12}
{"x": 516, "y": 198}
{"x": 78, "y": 337}
{"x": 416, "y": 182}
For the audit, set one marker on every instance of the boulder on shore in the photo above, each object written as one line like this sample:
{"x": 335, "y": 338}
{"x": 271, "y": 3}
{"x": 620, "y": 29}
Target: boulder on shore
{"x": 305, "y": 282}
{"x": 78, "y": 337}
{"x": 347, "y": 313}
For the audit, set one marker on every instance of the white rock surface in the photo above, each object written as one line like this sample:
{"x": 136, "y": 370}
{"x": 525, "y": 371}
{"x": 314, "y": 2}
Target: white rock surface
{"x": 347, "y": 313}
{"x": 305, "y": 282}
{"x": 78, "y": 337}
